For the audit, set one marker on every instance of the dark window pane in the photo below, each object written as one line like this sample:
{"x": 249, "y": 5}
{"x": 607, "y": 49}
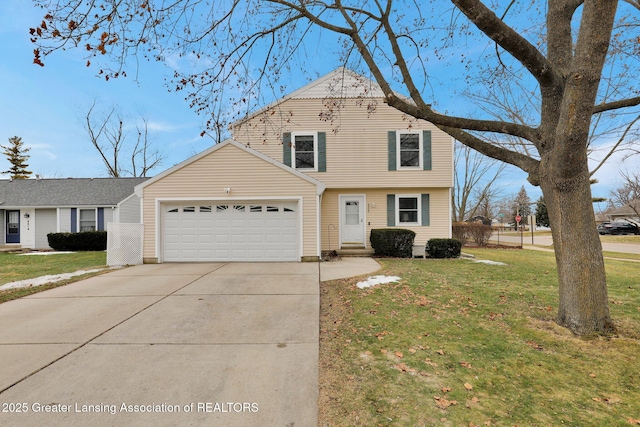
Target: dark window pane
{"x": 408, "y": 216}
{"x": 408, "y": 203}
{"x": 409, "y": 141}
{"x": 409, "y": 158}
{"x": 304, "y": 160}
{"x": 304, "y": 142}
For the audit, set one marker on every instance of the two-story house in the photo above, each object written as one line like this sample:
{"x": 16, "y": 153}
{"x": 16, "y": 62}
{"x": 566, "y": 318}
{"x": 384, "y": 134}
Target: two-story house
{"x": 315, "y": 171}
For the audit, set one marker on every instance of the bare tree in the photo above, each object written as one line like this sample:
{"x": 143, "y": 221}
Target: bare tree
{"x": 107, "y": 133}
{"x": 579, "y": 56}
{"x": 473, "y": 182}
{"x": 628, "y": 195}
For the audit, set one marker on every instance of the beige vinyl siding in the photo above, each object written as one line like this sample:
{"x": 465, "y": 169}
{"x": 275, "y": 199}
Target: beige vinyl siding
{"x": 248, "y": 177}
{"x": 376, "y": 214}
{"x": 356, "y": 143}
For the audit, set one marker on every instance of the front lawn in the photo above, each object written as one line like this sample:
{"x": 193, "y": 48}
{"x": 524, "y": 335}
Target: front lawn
{"x": 459, "y": 343}
{"x": 14, "y": 267}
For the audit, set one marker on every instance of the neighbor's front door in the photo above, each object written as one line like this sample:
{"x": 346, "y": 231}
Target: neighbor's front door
{"x": 352, "y": 222}
{"x": 13, "y": 227}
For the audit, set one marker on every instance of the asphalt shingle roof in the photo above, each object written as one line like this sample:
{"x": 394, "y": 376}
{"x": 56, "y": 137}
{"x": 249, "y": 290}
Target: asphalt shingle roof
{"x": 66, "y": 192}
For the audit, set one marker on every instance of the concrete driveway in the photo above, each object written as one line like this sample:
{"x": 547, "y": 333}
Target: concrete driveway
{"x": 165, "y": 345}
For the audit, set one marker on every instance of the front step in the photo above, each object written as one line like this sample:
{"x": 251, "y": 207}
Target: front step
{"x": 355, "y": 252}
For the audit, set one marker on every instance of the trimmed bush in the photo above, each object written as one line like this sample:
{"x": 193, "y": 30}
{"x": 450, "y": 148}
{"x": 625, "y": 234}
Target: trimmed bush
{"x": 83, "y": 241}
{"x": 395, "y": 242}
{"x": 444, "y": 248}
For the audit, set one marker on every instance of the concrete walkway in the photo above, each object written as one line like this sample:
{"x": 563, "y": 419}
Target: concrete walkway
{"x": 165, "y": 345}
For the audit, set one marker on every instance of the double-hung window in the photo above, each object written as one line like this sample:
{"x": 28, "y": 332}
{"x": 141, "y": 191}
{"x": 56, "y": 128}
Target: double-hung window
{"x": 408, "y": 209}
{"x": 409, "y": 146}
{"x": 87, "y": 220}
{"x": 305, "y": 151}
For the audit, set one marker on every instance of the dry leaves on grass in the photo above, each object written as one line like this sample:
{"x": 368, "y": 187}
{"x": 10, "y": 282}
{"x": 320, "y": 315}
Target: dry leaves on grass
{"x": 443, "y": 403}
{"x": 534, "y": 345}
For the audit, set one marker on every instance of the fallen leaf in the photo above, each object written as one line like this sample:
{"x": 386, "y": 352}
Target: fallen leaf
{"x": 383, "y": 351}
{"x": 441, "y": 352}
{"x": 465, "y": 364}
{"x": 596, "y": 399}
{"x": 446, "y": 389}
{"x": 633, "y": 421}
{"x": 412, "y": 350}
{"x": 398, "y": 354}
{"x": 444, "y": 403}
{"x": 534, "y": 345}
{"x": 468, "y": 386}
{"x": 592, "y": 375}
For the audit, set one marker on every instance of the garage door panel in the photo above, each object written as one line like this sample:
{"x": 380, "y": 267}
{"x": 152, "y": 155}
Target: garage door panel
{"x": 225, "y": 231}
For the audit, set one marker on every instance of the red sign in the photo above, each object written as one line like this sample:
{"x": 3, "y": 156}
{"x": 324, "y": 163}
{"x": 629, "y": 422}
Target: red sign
{"x": 518, "y": 218}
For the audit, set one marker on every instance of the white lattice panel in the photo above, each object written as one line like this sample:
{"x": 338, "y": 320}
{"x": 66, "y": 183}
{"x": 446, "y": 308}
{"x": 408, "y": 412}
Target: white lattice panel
{"x": 124, "y": 243}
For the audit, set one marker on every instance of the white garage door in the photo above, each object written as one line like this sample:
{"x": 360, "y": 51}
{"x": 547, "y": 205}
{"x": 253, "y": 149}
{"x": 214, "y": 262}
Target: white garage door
{"x": 221, "y": 231}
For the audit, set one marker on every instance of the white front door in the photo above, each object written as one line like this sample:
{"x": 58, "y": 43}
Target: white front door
{"x": 352, "y": 221}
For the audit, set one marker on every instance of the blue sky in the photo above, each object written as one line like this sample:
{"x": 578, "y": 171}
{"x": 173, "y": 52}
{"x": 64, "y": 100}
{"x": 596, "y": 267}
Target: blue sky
{"x": 44, "y": 106}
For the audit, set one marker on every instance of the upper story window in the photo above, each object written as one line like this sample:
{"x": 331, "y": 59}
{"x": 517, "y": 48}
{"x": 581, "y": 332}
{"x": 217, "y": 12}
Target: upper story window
{"x": 304, "y": 150}
{"x": 409, "y": 147}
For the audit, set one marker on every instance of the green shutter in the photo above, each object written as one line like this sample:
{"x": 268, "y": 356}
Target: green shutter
{"x": 286, "y": 148}
{"x": 322, "y": 151}
{"x": 392, "y": 150}
{"x": 425, "y": 209}
{"x": 391, "y": 210}
{"x": 426, "y": 150}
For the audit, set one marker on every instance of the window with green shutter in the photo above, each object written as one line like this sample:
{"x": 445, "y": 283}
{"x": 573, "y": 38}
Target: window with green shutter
{"x": 409, "y": 150}
{"x": 408, "y": 210}
{"x": 305, "y": 151}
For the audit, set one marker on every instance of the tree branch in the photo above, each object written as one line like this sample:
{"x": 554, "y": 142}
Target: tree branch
{"x": 511, "y": 41}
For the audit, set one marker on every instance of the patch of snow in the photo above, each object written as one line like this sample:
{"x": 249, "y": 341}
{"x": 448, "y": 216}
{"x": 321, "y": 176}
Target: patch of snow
{"x": 46, "y": 253}
{"x": 43, "y": 280}
{"x": 488, "y": 261}
{"x": 377, "y": 280}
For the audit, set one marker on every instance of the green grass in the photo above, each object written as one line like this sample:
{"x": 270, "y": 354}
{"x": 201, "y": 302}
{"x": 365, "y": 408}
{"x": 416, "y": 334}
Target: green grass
{"x": 624, "y": 238}
{"x": 15, "y": 267}
{"x": 482, "y": 336}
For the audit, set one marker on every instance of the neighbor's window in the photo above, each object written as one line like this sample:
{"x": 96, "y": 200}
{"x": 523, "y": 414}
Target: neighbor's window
{"x": 409, "y": 147}
{"x": 87, "y": 220}
{"x": 408, "y": 209}
{"x": 304, "y": 151}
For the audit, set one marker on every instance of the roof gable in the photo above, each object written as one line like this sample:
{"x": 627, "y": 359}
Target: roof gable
{"x": 341, "y": 83}
{"x": 66, "y": 191}
{"x": 230, "y": 142}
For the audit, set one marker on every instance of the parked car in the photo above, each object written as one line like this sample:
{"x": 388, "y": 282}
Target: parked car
{"x": 618, "y": 227}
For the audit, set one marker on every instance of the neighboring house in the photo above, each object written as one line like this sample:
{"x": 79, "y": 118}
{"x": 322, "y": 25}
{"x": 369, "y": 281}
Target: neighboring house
{"x": 624, "y": 212}
{"x": 32, "y": 208}
{"x": 313, "y": 172}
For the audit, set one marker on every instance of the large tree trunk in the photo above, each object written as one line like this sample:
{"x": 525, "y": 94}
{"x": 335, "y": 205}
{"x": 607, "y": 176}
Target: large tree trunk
{"x": 583, "y": 305}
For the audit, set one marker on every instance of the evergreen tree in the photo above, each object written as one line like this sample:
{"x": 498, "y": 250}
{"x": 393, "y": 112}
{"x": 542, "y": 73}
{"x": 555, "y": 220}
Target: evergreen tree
{"x": 522, "y": 205}
{"x": 16, "y": 154}
{"x": 542, "y": 216}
